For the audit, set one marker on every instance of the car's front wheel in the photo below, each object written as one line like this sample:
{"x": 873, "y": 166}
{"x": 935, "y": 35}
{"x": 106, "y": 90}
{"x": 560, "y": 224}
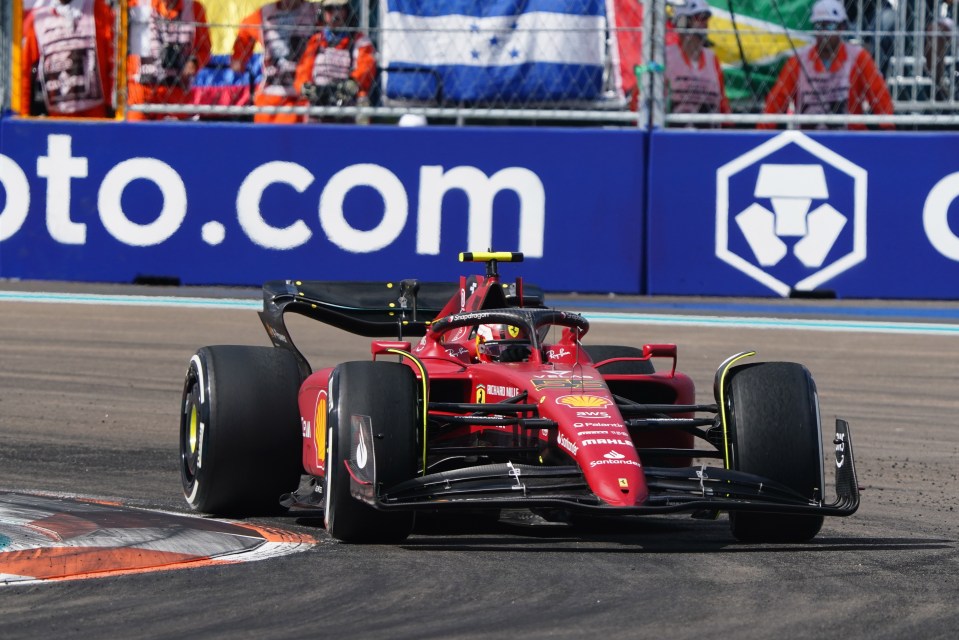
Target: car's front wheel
{"x": 384, "y": 396}
{"x": 774, "y": 431}
{"x": 240, "y": 434}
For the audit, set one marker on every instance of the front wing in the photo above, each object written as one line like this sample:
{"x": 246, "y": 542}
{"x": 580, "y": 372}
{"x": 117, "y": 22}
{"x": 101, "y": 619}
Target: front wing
{"x": 687, "y": 489}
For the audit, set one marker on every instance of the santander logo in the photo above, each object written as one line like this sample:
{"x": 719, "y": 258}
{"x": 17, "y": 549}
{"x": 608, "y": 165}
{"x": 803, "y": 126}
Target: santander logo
{"x": 567, "y": 444}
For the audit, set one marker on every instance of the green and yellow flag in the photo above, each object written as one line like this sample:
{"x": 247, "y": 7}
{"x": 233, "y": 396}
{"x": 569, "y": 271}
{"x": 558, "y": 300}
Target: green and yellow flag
{"x": 752, "y": 39}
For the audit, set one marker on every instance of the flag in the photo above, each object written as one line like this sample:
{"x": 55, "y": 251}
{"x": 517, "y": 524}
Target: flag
{"x": 626, "y": 38}
{"x": 493, "y": 51}
{"x": 626, "y": 32}
{"x": 224, "y": 16}
{"x": 752, "y": 39}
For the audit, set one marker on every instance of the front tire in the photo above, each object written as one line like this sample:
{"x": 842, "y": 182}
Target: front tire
{"x": 386, "y": 393}
{"x": 240, "y": 434}
{"x": 774, "y": 425}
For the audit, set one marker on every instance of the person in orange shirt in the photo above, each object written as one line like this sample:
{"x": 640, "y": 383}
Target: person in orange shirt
{"x": 282, "y": 28}
{"x": 169, "y": 43}
{"x": 68, "y": 57}
{"x": 339, "y": 63}
{"x": 694, "y": 79}
{"x": 829, "y": 76}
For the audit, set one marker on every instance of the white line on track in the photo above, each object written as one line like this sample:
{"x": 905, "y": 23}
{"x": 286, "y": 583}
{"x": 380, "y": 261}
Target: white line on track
{"x": 855, "y": 326}
{"x": 131, "y": 300}
{"x": 719, "y": 322}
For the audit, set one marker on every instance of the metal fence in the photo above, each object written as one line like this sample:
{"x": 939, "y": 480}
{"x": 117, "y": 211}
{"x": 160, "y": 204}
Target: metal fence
{"x": 6, "y": 52}
{"x": 913, "y": 45}
{"x": 592, "y": 63}
{"x": 457, "y": 68}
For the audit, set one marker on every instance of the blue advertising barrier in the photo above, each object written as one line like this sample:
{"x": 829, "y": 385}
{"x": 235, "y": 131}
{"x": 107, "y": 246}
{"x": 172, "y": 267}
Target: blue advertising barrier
{"x": 210, "y": 203}
{"x": 862, "y": 215}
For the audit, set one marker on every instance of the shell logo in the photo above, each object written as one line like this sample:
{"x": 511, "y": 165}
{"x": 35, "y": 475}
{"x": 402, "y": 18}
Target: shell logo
{"x": 583, "y": 401}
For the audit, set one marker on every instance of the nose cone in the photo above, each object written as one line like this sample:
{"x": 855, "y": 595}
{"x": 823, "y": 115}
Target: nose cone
{"x": 593, "y": 432}
{"x": 610, "y": 464}
{"x": 615, "y": 474}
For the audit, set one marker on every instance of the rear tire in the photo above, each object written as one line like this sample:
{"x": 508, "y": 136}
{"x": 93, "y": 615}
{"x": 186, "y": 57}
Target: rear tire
{"x": 600, "y": 352}
{"x": 240, "y": 434}
{"x": 386, "y": 392}
{"x": 773, "y": 418}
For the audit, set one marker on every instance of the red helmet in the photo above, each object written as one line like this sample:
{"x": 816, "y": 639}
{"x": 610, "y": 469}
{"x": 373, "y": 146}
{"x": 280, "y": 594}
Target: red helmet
{"x": 501, "y": 343}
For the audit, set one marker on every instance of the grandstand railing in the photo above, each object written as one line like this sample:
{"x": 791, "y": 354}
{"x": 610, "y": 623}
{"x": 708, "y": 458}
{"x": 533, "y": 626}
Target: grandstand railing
{"x": 916, "y": 51}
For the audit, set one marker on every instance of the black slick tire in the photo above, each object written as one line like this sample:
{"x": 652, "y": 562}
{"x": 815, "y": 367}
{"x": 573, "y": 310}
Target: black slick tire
{"x": 386, "y": 393}
{"x": 240, "y": 434}
{"x": 773, "y": 419}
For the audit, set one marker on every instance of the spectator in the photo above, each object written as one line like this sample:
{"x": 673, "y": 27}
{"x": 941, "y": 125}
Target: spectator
{"x": 829, "y": 76}
{"x": 169, "y": 43}
{"x": 694, "y": 80}
{"x": 919, "y": 19}
{"x": 940, "y": 34}
{"x": 919, "y": 14}
{"x": 876, "y": 25}
{"x": 67, "y": 60}
{"x": 282, "y": 28}
{"x": 339, "y": 64}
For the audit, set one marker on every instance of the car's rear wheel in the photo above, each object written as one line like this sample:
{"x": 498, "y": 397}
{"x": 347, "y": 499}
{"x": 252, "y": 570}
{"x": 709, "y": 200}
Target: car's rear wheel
{"x": 599, "y": 352}
{"x": 240, "y": 435}
{"x": 386, "y": 394}
{"x": 774, "y": 429}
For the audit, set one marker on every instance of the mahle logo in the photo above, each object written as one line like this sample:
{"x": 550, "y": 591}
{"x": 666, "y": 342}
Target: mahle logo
{"x": 791, "y": 213}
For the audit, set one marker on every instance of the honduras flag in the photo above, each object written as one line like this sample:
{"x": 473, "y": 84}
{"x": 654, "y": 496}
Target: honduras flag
{"x": 493, "y": 52}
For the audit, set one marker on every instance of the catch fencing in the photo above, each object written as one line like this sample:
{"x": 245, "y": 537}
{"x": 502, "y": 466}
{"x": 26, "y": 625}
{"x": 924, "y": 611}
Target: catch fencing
{"x": 912, "y": 43}
{"x": 568, "y": 62}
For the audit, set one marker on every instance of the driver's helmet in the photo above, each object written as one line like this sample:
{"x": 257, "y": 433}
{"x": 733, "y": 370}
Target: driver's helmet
{"x": 501, "y": 343}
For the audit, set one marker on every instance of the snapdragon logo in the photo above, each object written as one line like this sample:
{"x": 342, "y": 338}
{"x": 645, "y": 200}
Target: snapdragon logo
{"x": 60, "y": 167}
{"x": 791, "y": 213}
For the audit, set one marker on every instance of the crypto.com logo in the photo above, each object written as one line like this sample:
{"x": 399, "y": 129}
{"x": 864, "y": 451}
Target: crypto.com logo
{"x": 784, "y": 210}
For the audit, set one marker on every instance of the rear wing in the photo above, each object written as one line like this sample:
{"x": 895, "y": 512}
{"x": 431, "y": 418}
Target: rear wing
{"x": 373, "y": 309}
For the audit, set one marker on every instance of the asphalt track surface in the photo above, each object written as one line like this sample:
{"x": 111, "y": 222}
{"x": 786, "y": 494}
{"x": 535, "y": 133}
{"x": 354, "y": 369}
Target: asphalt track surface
{"x": 89, "y": 406}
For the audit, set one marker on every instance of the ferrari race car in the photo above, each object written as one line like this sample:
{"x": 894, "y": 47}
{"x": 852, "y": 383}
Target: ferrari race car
{"x": 498, "y": 406}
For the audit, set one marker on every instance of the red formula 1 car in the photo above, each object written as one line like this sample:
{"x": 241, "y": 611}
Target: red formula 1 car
{"x": 499, "y": 406}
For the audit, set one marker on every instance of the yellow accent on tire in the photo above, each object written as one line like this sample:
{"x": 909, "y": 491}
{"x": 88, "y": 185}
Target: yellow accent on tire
{"x": 193, "y": 429}
{"x": 722, "y": 404}
{"x": 426, "y": 393}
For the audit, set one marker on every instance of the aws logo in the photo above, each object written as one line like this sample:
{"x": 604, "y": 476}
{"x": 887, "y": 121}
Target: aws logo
{"x": 791, "y": 213}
